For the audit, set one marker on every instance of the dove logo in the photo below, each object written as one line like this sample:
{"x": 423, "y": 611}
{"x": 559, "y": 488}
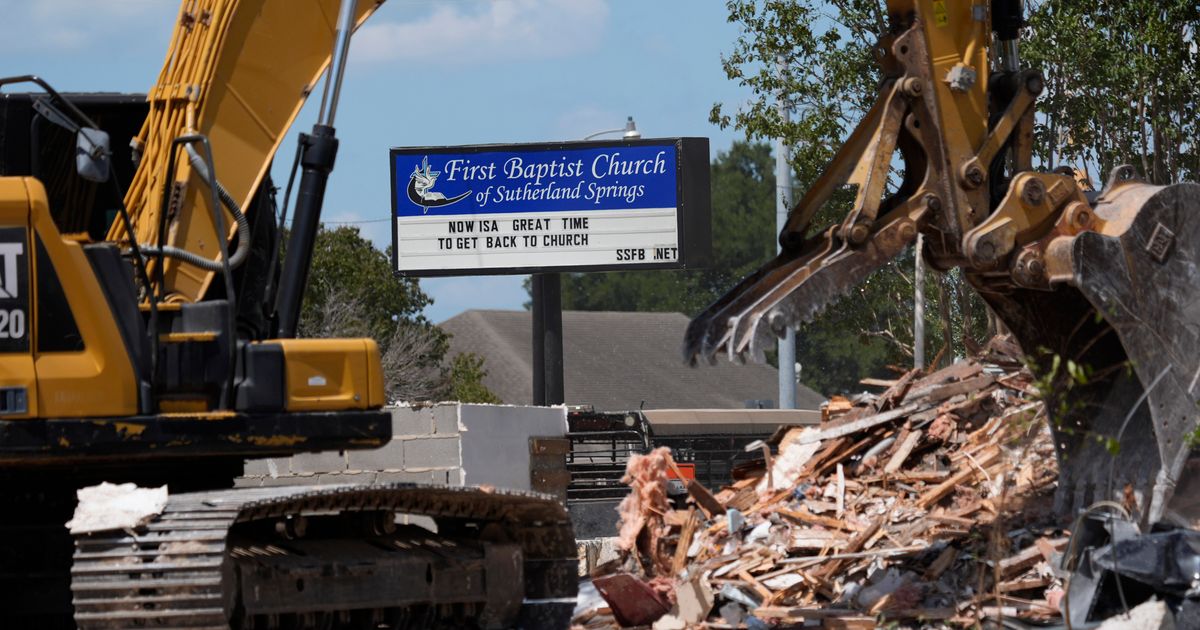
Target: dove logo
{"x": 420, "y": 188}
{"x": 9, "y": 267}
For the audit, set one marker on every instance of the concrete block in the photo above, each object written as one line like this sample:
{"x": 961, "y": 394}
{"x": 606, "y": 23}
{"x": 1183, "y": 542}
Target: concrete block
{"x": 256, "y": 468}
{"x": 410, "y": 421}
{"x": 422, "y": 476}
{"x": 267, "y": 467}
{"x": 287, "y": 480}
{"x": 431, "y": 452}
{"x": 454, "y": 476}
{"x": 496, "y": 441}
{"x": 366, "y": 478}
{"x": 445, "y": 419}
{"x": 316, "y": 463}
{"x": 389, "y": 457}
{"x": 277, "y": 466}
{"x": 247, "y": 482}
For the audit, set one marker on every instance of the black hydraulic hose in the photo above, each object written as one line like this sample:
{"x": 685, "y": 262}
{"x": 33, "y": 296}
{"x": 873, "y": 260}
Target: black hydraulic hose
{"x": 243, "y": 225}
{"x": 222, "y": 266}
{"x": 272, "y": 268}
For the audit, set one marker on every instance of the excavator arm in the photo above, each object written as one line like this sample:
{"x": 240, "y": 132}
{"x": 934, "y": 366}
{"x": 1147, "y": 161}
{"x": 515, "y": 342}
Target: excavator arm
{"x": 939, "y": 127}
{"x": 1108, "y": 282}
{"x": 237, "y": 72}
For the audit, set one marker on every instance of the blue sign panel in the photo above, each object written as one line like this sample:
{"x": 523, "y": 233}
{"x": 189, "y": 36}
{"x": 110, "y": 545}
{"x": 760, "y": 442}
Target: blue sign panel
{"x": 604, "y": 178}
{"x": 522, "y": 208}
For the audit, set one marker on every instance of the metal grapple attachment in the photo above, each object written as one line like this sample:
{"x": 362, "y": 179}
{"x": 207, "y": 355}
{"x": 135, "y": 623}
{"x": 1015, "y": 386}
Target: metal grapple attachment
{"x": 1107, "y": 285}
{"x": 811, "y": 272}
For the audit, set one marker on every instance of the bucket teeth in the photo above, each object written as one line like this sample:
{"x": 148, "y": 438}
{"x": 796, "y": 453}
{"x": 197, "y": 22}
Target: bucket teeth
{"x": 787, "y": 292}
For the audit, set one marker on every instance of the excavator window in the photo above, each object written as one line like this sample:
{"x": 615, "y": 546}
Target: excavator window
{"x": 56, "y": 327}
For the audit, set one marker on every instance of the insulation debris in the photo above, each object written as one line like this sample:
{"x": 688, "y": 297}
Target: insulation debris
{"x": 111, "y": 506}
{"x": 925, "y": 505}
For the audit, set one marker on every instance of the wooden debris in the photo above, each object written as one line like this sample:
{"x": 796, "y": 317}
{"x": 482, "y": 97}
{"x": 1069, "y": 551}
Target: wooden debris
{"x": 943, "y": 562}
{"x": 685, "y": 541}
{"x": 835, "y": 430}
{"x": 902, "y": 453}
{"x": 704, "y": 498}
{"x": 905, "y": 495}
{"x": 1029, "y": 557}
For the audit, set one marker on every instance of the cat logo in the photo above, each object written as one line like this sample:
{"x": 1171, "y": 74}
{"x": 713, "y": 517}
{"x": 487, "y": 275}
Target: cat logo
{"x": 10, "y": 286}
{"x": 420, "y": 185}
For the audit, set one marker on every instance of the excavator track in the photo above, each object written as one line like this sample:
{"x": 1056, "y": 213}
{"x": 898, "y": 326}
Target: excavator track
{"x": 331, "y": 556}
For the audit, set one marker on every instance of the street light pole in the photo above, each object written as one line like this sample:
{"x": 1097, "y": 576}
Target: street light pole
{"x": 548, "y": 386}
{"x": 783, "y": 185}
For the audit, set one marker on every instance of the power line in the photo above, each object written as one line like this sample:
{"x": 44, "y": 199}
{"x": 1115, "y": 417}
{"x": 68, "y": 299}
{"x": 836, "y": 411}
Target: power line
{"x": 357, "y": 222}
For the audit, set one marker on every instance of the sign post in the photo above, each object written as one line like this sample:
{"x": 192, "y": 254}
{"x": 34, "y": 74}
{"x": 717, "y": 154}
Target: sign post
{"x": 548, "y": 386}
{"x": 547, "y": 208}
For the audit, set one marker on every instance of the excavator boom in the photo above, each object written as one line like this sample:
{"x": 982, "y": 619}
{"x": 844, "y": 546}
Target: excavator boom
{"x": 237, "y": 72}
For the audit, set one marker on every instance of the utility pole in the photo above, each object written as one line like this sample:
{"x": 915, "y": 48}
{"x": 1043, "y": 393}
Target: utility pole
{"x": 783, "y": 194}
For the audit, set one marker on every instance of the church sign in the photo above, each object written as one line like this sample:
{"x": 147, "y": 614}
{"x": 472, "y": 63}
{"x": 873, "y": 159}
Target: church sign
{"x": 532, "y": 208}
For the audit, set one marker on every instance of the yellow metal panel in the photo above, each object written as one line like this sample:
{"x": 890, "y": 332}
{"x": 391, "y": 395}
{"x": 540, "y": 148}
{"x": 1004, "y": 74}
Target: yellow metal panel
{"x": 99, "y": 381}
{"x": 16, "y": 368}
{"x": 952, "y": 33}
{"x": 247, "y": 69}
{"x": 375, "y": 374}
{"x": 331, "y": 374}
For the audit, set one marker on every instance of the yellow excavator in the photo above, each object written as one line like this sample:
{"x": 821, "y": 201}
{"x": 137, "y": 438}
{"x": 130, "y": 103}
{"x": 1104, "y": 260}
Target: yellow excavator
{"x": 1107, "y": 280}
{"x": 148, "y": 334}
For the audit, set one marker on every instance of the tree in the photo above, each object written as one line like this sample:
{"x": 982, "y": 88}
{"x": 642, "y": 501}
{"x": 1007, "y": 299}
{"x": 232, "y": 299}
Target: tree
{"x": 352, "y": 292}
{"x": 819, "y": 55}
{"x": 466, "y": 382}
{"x": 742, "y": 187}
{"x": 837, "y": 350}
{"x": 1122, "y": 85}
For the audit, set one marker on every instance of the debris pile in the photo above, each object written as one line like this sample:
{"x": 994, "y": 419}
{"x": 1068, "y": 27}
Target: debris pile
{"x": 926, "y": 505}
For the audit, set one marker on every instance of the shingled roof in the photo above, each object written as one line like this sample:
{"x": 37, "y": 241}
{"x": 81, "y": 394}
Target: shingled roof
{"x": 613, "y": 361}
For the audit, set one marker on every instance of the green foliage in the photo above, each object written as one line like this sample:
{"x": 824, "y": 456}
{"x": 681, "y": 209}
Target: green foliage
{"x": 465, "y": 380}
{"x": 1122, "y": 85}
{"x": 744, "y": 237}
{"x": 346, "y": 265}
{"x": 1055, "y": 381}
{"x": 352, "y": 292}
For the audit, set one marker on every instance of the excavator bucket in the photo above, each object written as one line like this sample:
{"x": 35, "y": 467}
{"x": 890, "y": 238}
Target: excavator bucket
{"x": 1118, "y": 343}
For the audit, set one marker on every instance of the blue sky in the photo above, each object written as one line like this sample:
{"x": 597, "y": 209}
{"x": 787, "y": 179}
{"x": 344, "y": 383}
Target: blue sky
{"x": 435, "y": 72}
